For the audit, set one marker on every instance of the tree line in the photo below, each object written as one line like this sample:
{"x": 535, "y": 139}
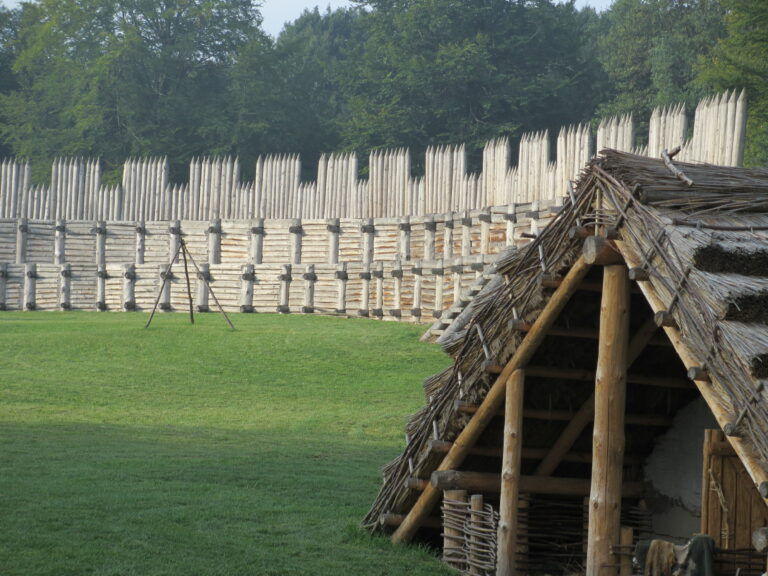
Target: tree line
{"x": 183, "y": 78}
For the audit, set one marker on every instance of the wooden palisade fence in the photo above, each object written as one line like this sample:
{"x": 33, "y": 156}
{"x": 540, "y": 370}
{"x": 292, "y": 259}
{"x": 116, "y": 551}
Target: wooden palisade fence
{"x": 215, "y": 189}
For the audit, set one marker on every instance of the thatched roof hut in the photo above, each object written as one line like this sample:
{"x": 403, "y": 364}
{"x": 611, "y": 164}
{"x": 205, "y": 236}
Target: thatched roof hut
{"x": 647, "y": 292}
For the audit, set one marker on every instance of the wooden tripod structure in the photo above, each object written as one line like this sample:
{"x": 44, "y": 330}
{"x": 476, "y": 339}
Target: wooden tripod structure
{"x": 182, "y": 249}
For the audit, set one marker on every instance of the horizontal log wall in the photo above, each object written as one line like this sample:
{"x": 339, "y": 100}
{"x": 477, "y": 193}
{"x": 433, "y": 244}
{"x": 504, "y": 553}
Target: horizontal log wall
{"x": 273, "y": 189}
{"x": 388, "y": 268}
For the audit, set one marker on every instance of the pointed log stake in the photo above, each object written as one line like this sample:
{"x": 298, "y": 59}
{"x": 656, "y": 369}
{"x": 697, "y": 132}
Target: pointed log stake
{"x": 510, "y": 475}
{"x": 492, "y": 402}
{"x": 608, "y": 435}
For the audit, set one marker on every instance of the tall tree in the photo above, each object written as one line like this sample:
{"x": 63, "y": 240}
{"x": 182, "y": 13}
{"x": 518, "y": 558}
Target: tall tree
{"x": 121, "y": 77}
{"x": 9, "y": 23}
{"x": 650, "y": 48}
{"x": 467, "y": 70}
{"x": 740, "y": 60}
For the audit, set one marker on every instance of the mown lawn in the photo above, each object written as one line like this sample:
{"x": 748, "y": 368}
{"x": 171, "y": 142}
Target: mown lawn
{"x": 184, "y": 450}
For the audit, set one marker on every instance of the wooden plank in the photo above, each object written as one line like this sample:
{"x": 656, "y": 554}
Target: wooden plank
{"x": 495, "y": 396}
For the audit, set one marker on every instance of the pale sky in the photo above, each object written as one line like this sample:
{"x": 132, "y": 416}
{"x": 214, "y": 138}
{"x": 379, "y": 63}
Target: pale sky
{"x": 277, "y": 12}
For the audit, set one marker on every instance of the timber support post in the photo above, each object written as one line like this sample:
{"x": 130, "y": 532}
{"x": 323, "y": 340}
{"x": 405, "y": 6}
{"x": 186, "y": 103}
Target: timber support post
{"x": 65, "y": 288}
{"x": 257, "y": 241}
{"x": 604, "y": 530}
{"x": 214, "y": 241}
{"x": 30, "y": 286}
{"x": 404, "y": 239}
{"x": 22, "y": 229}
{"x": 507, "y": 548}
{"x": 341, "y": 288}
{"x": 129, "y": 287}
{"x": 417, "y": 286}
{"x": 3, "y": 286}
{"x": 203, "y": 278}
{"x": 59, "y": 242}
{"x": 246, "y": 288}
{"x": 334, "y": 232}
{"x": 141, "y": 235}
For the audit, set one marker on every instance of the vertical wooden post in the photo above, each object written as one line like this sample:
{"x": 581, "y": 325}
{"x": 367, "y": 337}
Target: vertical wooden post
{"x": 65, "y": 288}
{"x": 165, "y": 287}
{"x": 59, "y": 242}
{"x": 453, "y": 537}
{"x": 448, "y": 236}
{"x": 404, "y": 239}
{"x": 608, "y": 434}
{"x": 430, "y": 231}
{"x": 283, "y": 306}
{"x": 101, "y": 288}
{"x": 101, "y": 244}
{"x": 457, "y": 269}
{"x": 141, "y": 233}
{"x": 627, "y": 539}
{"x": 378, "y": 311}
{"x": 507, "y": 549}
{"x": 476, "y": 504}
{"x": 297, "y": 232}
{"x": 365, "y": 292}
{"x": 246, "y": 289}
{"x": 439, "y": 272}
{"x": 174, "y": 239}
{"x": 22, "y": 228}
{"x": 257, "y": 241}
{"x": 466, "y": 234}
{"x": 511, "y": 218}
{"x": 129, "y": 287}
{"x": 369, "y": 234}
{"x": 341, "y": 288}
{"x": 3, "y": 286}
{"x": 214, "y": 241}
{"x": 334, "y": 231}
{"x": 203, "y": 277}
{"x": 418, "y": 280}
{"x": 309, "y": 289}
{"x": 485, "y": 231}
{"x": 397, "y": 289}
{"x": 30, "y": 286}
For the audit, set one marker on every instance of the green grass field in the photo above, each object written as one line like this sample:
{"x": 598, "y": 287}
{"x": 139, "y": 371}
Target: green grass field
{"x": 184, "y": 450}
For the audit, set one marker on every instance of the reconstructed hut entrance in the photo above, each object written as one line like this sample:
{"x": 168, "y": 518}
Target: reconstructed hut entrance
{"x": 529, "y": 456}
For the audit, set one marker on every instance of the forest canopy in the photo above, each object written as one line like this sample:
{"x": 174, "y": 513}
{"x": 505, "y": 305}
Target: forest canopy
{"x": 183, "y": 78}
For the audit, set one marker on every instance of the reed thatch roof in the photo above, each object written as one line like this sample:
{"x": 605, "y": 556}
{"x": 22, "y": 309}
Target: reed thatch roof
{"x": 704, "y": 247}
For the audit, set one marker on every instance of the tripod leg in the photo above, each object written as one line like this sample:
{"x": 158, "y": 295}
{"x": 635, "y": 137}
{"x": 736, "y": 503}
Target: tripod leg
{"x": 189, "y": 287}
{"x": 160, "y": 292}
{"x": 210, "y": 289}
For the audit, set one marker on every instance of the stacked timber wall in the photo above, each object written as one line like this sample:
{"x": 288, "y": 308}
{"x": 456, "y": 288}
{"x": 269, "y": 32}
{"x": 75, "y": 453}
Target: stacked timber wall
{"x": 390, "y": 268}
{"x": 215, "y": 189}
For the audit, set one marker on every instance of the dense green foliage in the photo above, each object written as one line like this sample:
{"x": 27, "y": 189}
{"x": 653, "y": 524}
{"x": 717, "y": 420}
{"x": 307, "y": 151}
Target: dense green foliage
{"x": 740, "y": 60}
{"x": 195, "y": 450}
{"x": 114, "y": 78}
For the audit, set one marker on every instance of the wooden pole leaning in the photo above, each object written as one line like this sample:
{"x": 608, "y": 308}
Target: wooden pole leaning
{"x": 608, "y": 436}
{"x": 492, "y": 402}
{"x": 507, "y": 549}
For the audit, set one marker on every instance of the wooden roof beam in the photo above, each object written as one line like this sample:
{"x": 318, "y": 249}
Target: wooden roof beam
{"x": 491, "y": 483}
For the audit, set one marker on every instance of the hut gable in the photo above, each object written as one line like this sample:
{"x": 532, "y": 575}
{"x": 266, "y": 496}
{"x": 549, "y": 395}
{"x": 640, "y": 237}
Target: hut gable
{"x": 647, "y": 291}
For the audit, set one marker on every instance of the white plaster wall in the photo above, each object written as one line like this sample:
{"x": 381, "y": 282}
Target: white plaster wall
{"x": 674, "y": 472}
